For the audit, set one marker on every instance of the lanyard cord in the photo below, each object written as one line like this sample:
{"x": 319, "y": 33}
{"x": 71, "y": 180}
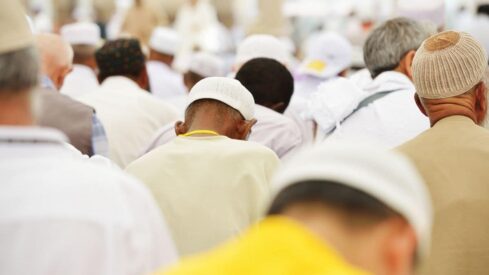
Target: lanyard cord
{"x": 200, "y": 132}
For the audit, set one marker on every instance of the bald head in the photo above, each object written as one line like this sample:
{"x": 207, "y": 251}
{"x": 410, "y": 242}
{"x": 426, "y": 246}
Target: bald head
{"x": 56, "y": 57}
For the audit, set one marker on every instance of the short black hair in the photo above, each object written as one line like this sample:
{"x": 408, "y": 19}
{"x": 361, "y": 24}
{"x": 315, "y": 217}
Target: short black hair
{"x": 225, "y": 111}
{"x": 121, "y": 57}
{"x": 268, "y": 80}
{"x": 483, "y": 9}
{"x": 356, "y": 204}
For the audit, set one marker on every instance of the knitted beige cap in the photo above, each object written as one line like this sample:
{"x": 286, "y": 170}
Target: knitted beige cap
{"x": 448, "y": 64}
{"x": 15, "y": 33}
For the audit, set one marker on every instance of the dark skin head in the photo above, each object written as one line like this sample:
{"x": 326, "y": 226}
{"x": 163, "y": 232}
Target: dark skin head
{"x": 141, "y": 79}
{"x": 161, "y": 57}
{"x": 472, "y": 104}
{"x": 215, "y": 116}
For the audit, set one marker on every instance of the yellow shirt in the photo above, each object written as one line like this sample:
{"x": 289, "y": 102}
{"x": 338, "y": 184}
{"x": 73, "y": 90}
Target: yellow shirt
{"x": 276, "y": 246}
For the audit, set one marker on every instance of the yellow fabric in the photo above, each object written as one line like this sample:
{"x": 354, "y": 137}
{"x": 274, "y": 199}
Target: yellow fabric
{"x": 276, "y": 246}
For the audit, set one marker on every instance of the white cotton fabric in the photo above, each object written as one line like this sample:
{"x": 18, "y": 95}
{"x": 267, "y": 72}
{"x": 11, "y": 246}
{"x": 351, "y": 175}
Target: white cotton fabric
{"x": 164, "y": 40}
{"x": 81, "y": 33}
{"x": 262, "y": 46}
{"x": 130, "y": 116}
{"x": 81, "y": 80}
{"x": 61, "y": 213}
{"x": 209, "y": 188}
{"x": 385, "y": 175}
{"x": 389, "y": 121}
{"x": 164, "y": 81}
{"x": 273, "y": 130}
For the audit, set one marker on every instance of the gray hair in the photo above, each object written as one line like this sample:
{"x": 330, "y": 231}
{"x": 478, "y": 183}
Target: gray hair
{"x": 20, "y": 70}
{"x": 390, "y": 42}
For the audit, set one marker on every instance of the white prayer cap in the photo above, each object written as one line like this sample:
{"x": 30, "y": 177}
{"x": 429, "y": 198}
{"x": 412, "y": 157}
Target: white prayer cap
{"x": 385, "y": 175}
{"x": 206, "y": 64}
{"x": 226, "y": 90}
{"x": 164, "y": 40}
{"x": 15, "y": 33}
{"x": 81, "y": 33}
{"x": 326, "y": 55}
{"x": 422, "y": 10}
{"x": 261, "y": 45}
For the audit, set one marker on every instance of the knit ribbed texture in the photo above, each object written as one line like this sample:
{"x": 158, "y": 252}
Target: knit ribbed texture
{"x": 448, "y": 64}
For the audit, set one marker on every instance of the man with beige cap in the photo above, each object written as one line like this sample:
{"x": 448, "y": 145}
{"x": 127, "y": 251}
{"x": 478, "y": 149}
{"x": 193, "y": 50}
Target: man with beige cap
{"x": 61, "y": 213}
{"x": 209, "y": 182}
{"x": 453, "y": 155}
{"x": 340, "y": 209}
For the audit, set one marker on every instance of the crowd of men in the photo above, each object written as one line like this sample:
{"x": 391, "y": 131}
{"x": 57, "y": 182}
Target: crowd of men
{"x": 115, "y": 160}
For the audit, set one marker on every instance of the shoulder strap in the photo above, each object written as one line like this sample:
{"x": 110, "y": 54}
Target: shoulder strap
{"x": 367, "y": 101}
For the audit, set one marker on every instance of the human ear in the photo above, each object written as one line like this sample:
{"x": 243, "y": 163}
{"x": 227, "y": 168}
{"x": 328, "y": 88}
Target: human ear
{"x": 400, "y": 248}
{"x": 143, "y": 79}
{"x": 180, "y": 128}
{"x": 408, "y": 63}
{"x": 480, "y": 102}
{"x": 420, "y": 104}
{"x": 244, "y": 128}
{"x": 278, "y": 107}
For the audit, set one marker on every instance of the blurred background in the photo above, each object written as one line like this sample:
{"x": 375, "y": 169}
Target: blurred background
{"x": 217, "y": 26}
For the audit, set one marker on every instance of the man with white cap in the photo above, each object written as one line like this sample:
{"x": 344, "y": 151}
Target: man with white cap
{"x": 340, "y": 209}
{"x": 261, "y": 45}
{"x": 271, "y": 85}
{"x": 383, "y": 112}
{"x": 448, "y": 72}
{"x": 164, "y": 81}
{"x": 131, "y": 116}
{"x": 84, "y": 38}
{"x": 60, "y": 213}
{"x": 209, "y": 181}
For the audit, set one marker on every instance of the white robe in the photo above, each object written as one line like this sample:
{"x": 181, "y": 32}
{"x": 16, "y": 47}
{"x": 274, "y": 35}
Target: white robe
{"x": 164, "y": 82}
{"x": 209, "y": 188}
{"x": 389, "y": 121}
{"x": 60, "y": 213}
{"x": 130, "y": 115}
{"x": 80, "y": 81}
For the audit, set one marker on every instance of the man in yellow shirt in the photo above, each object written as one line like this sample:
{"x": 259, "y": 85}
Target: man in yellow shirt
{"x": 340, "y": 209}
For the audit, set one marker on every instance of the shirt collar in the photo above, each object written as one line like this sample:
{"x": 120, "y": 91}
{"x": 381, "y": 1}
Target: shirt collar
{"x": 120, "y": 83}
{"x": 47, "y": 83}
{"x": 31, "y": 134}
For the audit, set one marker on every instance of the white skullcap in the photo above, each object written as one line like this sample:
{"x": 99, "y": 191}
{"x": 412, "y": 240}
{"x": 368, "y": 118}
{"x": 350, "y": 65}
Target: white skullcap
{"x": 15, "y": 33}
{"x": 326, "y": 55}
{"x": 422, "y": 10}
{"x": 226, "y": 90}
{"x": 81, "y": 33}
{"x": 206, "y": 64}
{"x": 384, "y": 175}
{"x": 164, "y": 40}
{"x": 261, "y": 45}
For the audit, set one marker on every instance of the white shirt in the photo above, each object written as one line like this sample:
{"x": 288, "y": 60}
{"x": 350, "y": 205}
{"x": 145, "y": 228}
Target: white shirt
{"x": 61, "y": 214}
{"x": 209, "y": 188}
{"x": 389, "y": 121}
{"x": 130, "y": 115}
{"x": 80, "y": 81}
{"x": 164, "y": 82}
{"x": 273, "y": 130}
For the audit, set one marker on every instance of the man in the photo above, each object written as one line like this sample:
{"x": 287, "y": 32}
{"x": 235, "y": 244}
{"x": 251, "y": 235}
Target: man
{"x": 59, "y": 213}
{"x": 340, "y": 209}
{"x": 73, "y": 118}
{"x": 84, "y": 38}
{"x": 129, "y": 113}
{"x": 271, "y": 85}
{"x": 164, "y": 81}
{"x": 382, "y": 112}
{"x": 261, "y": 45}
{"x": 202, "y": 65}
{"x": 209, "y": 182}
{"x": 452, "y": 155}
{"x": 142, "y": 18}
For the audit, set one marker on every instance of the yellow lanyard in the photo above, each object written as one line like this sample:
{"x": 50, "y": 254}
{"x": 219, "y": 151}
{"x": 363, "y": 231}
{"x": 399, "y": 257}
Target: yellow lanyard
{"x": 200, "y": 132}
